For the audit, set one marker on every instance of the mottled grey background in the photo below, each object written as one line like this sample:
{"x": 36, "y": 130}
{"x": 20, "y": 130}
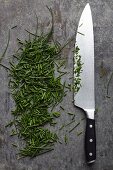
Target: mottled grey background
{"x": 66, "y": 17}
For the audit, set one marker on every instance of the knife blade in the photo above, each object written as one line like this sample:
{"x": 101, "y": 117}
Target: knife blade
{"x": 85, "y": 97}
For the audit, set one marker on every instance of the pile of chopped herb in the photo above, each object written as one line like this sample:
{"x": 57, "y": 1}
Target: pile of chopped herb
{"x": 77, "y": 70}
{"x": 36, "y": 89}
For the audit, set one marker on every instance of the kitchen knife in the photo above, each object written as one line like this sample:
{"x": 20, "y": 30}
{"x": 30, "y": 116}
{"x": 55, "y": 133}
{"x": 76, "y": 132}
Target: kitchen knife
{"x": 85, "y": 97}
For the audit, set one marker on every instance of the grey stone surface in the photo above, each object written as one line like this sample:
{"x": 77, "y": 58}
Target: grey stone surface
{"x": 66, "y": 16}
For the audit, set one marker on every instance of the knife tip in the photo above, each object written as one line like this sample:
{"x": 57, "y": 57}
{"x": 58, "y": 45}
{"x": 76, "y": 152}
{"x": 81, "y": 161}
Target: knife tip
{"x": 87, "y": 5}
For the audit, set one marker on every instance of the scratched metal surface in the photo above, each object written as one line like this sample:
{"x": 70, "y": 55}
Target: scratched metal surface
{"x": 66, "y": 17}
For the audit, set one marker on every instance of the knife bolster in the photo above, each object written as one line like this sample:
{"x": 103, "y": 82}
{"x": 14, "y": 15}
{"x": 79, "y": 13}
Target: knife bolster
{"x": 90, "y": 113}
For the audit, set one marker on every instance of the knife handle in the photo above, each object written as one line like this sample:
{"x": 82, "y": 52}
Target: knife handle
{"x": 90, "y": 141}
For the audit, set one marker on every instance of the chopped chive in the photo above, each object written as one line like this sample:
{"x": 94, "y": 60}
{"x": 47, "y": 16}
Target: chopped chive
{"x": 2, "y": 56}
{"x": 73, "y": 117}
{"x": 62, "y": 108}
{"x": 83, "y": 118}
{"x": 14, "y": 27}
{"x": 62, "y": 127}
{"x": 10, "y": 124}
{"x": 59, "y": 141}
{"x": 74, "y": 127}
{"x": 15, "y": 145}
{"x": 70, "y": 123}
{"x": 96, "y": 110}
{"x": 20, "y": 41}
{"x": 70, "y": 78}
{"x": 31, "y": 33}
{"x": 69, "y": 113}
{"x": 109, "y": 82}
{"x": 53, "y": 123}
{"x": 79, "y": 133}
{"x": 4, "y": 66}
{"x": 13, "y": 133}
{"x": 56, "y": 114}
{"x": 80, "y": 25}
{"x": 80, "y": 33}
{"x": 66, "y": 139}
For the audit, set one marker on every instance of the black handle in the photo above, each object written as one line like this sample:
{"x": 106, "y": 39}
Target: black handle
{"x": 90, "y": 141}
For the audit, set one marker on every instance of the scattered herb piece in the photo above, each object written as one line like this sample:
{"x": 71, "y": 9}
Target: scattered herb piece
{"x": 80, "y": 25}
{"x": 80, "y": 33}
{"x": 70, "y": 113}
{"x": 62, "y": 127}
{"x": 13, "y": 132}
{"x": 59, "y": 141}
{"x": 79, "y": 133}
{"x": 96, "y": 110}
{"x": 22, "y": 152}
{"x": 70, "y": 78}
{"x": 70, "y": 123}
{"x": 62, "y": 108}
{"x": 56, "y": 114}
{"x": 109, "y": 83}
{"x": 14, "y": 27}
{"x": 15, "y": 145}
{"x": 4, "y": 66}
{"x": 2, "y": 56}
{"x": 83, "y": 118}
{"x": 74, "y": 127}
{"x": 73, "y": 117}
{"x": 66, "y": 139}
{"x": 10, "y": 124}
{"x": 53, "y": 123}
{"x": 103, "y": 70}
